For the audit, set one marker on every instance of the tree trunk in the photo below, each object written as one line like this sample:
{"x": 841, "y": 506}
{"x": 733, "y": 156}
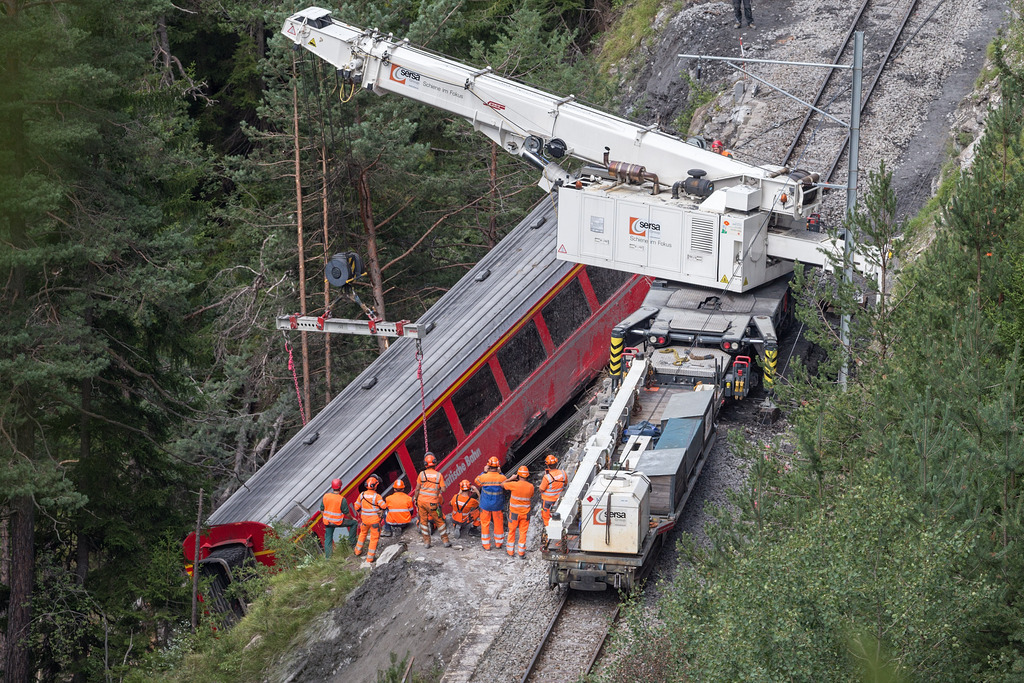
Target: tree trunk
{"x": 327, "y": 286}
{"x": 19, "y": 613}
{"x": 84, "y": 449}
{"x": 302, "y": 251}
{"x": 22, "y": 508}
{"x": 492, "y": 225}
{"x": 372, "y": 257}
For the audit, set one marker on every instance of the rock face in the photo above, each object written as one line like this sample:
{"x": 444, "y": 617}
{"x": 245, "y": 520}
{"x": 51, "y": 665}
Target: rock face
{"x": 906, "y": 124}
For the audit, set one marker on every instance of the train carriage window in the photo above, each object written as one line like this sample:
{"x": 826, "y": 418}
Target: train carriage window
{"x": 566, "y": 312}
{"x": 442, "y": 440}
{"x": 521, "y": 355}
{"x": 606, "y": 281}
{"x": 388, "y": 471}
{"x": 477, "y": 398}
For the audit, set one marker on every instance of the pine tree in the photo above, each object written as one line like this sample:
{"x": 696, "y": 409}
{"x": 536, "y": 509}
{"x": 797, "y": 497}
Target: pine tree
{"x": 98, "y": 215}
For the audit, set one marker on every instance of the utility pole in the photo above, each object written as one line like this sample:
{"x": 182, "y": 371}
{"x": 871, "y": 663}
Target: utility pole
{"x": 851, "y": 195}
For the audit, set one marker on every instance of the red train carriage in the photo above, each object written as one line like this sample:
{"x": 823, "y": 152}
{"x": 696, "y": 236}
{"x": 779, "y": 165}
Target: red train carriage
{"x": 511, "y": 344}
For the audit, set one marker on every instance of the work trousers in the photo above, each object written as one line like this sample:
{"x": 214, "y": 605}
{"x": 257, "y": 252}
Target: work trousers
{"x": 736, "y": 6}
{"x": 333, "y": 533}
{"x": 431, "y": 512}
{"x": 520, "y": 521}
{"x": 545, "y": 510}
{"x": 391, "y": 528}
{"x": 486, "y": 517}
{"x": 374, "y": 531}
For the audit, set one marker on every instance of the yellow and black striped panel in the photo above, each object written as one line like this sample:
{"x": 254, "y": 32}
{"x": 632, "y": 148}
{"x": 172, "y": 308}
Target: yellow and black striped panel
{"x": 771, "y": 362}
{"x": 615, "y": 360}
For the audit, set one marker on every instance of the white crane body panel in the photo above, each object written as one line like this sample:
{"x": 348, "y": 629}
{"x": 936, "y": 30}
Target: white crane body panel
{"x": 616, "y": 513}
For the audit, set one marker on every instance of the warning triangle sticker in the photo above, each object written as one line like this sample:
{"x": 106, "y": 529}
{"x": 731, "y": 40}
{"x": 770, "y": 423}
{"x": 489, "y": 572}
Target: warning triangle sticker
{"x": 312, "y": 41}
{"x": 291, "y": 30}
{"x": 561, "y": 249}
{"x": 745, "y": 282}
{"x": 724, "y": 280}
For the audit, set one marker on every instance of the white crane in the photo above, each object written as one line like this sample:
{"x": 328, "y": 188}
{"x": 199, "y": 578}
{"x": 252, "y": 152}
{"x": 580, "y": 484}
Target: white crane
{"x": 644, "y": 201}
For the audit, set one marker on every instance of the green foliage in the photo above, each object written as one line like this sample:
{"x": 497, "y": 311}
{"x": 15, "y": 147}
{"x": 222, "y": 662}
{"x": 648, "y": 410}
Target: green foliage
{"x": 884, "y": 545}
{"x": 282, "y": 610}
{"x": 634, "y": 24}
{"x": 395, "y": 673}
{"x": 698, "y": 96}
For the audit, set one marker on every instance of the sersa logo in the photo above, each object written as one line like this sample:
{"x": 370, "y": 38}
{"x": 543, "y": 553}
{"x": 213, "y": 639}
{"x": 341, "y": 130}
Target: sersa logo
{"x": 601, "y": 517}
{"x": 405, "y": 76}
{"x": 639, "y": 228}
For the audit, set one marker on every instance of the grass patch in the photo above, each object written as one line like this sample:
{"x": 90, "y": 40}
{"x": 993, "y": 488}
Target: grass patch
{"x": 635, "y": 23}
{"x": 929, "y": 215}
{"x": 699, "y": 96}
{"x": 246, "y": 652}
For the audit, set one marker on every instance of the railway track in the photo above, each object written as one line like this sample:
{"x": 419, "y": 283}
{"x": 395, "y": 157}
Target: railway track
{"x": 574, "y": 637}
{"x": 820, "y": 143}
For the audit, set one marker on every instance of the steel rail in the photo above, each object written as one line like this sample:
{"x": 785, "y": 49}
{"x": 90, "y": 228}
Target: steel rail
{"x": 874, "y": 82}
{"x": 824, "y": 83}
{"x": 544, "y": 639}
{"x": 600, "y": 645}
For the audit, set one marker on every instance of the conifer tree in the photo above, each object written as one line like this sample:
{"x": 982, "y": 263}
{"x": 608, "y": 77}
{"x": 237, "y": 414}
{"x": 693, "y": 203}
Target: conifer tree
{"x": 97, "y": 216}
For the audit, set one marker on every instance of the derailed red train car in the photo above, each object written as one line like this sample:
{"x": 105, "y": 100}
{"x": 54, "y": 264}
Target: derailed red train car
{"x": 511, "y": 344}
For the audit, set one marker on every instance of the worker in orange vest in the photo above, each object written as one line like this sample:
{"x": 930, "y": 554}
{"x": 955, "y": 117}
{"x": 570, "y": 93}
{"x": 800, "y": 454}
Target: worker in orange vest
{"x": 551, "y": 486}
{"x": 492, "y": 501}
{"x": 371, "y": 509}
{"x": 400, "y": 510}
{"x": 336, "y": 516}
{"x": 429, "y": 487}
{"x": 718, "y": 147}
{"x": 465, "y": 508}
{"x": 518, "y": 510}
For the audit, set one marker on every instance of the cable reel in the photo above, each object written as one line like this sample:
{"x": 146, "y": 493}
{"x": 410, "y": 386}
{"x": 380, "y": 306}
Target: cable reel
{"x": 343, "y": 269}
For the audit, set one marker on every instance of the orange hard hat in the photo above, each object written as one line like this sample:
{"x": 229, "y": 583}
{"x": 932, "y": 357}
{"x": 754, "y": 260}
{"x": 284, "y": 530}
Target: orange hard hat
{"x": 399, "y": 485}
{"x": 551, "y": 460}
{"x": 493, "y": 462}
{"x": 464, "y": 485}
{"x": 372, "y": 482}
{"x": 429, "y": 459}
{"x": 523, "y": 472}
{"x": 336, "y": 484}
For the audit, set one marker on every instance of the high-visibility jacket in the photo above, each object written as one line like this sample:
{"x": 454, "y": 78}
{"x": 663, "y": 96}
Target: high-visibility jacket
{"x": 492, "y": 496}
{"x": 464, "y": 504}
{"x": 371, "y": 507}
{"x": 333, "y": 514}
{"x": 552, "y": 485}
{"x": 522, "y": 492}
{"x": 400, "y": 508}
{"x": 429, "y": 485}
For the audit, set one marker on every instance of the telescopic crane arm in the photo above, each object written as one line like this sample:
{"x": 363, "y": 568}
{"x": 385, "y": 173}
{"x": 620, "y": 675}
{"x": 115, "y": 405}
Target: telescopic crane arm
{"x": 725, "y": 223}
{"x": 526, "y": 122}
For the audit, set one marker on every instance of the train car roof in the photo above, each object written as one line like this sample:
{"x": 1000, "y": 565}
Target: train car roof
{"x": 359, "y": 423}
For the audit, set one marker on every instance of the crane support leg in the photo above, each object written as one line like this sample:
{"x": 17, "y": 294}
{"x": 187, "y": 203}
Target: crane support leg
{"x": 619, "y": 335}
{"x": 767, "y": 349}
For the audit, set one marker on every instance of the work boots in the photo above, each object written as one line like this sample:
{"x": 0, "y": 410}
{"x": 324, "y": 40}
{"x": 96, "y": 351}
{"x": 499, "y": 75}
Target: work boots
{"x": 447, "y": 543}
{"x": 426, "y": 540}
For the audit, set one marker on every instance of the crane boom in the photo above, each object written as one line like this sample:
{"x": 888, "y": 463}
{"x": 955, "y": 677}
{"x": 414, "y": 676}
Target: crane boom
{"x": 507, "y": 112}
{"x": 644, "y": 202}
